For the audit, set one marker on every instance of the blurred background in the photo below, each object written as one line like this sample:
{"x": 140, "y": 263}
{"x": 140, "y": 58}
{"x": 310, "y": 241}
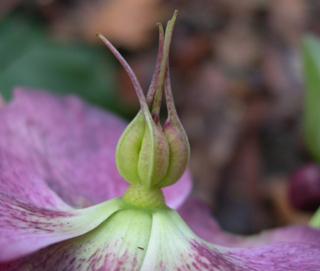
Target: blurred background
{"x": 236, "y": 73}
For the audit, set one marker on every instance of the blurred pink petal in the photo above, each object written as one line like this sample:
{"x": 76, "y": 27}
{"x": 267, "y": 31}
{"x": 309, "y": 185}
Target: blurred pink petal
{"x": 21, "y": 180}
{"x": 197, "y": 215}
{"x": 177, "y": 193}
{"x": 273, "y": 257}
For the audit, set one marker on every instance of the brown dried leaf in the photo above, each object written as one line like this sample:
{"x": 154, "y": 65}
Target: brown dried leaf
{"x": 126, "y": 23}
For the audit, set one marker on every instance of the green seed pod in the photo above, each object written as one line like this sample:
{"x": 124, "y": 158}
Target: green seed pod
{"x": 128, "y": 150}
{"x": 179, "y": 153}
{"x": 154, "y": 156}
{"x": 142, "y": 154}
{"x": 179, "y": 149}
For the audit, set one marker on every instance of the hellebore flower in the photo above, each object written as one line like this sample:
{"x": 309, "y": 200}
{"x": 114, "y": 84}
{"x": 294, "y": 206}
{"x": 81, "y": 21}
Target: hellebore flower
{"x": 57, "y": 170}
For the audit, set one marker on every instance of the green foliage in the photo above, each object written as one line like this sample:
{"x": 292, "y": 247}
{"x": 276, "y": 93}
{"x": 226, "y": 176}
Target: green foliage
{"x": 311, "y": 57}
{"x": 29, "y": 58}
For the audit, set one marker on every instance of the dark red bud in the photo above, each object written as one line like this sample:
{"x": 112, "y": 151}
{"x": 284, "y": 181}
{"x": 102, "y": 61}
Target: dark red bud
{"x": 304, "y": 187}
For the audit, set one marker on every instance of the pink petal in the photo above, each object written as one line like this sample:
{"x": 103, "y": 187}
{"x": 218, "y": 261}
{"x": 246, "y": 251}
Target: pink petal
{"x": 176, "y": 194}
{"x": 71, "y": 144}
{"x": 26, "y": 227}
{"x": 135, "y": 239}
{"x": 274, "y": 257}
{"x": 289, "y": 234}
{"x": 119, "y": 243}
{"x": 197, "y": 215}
{"x": 173, "y": 246}
{"x": 21, "y": 180}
